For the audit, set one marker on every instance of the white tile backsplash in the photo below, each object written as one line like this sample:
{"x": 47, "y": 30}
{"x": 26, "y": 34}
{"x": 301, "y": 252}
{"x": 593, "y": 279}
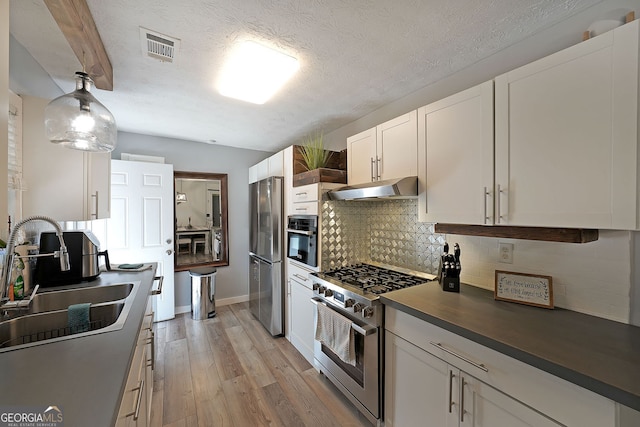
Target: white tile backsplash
{"x": 593, "y": 278}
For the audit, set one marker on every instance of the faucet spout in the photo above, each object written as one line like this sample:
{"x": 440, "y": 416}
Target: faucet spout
{"x": 63, "y": 254}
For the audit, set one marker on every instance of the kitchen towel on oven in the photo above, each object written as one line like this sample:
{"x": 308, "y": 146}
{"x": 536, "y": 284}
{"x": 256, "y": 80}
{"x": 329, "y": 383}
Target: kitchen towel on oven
{"x": 334, "y": 331}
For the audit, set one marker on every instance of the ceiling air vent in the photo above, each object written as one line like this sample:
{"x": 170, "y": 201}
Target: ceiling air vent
{"x": 158, "y": 46}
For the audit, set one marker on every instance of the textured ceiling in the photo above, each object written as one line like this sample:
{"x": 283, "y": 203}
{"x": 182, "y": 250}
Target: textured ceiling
{"x": 355, "y": 56}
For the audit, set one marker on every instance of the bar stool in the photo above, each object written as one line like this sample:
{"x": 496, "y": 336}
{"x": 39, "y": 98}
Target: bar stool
{"x": 199, "y": 241}
{"x": 184, "y": 241}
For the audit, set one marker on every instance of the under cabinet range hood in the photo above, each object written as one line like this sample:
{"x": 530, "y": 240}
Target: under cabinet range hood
{"x": 392, "y": 188}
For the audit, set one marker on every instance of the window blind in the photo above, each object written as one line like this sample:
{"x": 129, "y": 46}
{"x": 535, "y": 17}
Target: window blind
{"x": 14, "y": 165}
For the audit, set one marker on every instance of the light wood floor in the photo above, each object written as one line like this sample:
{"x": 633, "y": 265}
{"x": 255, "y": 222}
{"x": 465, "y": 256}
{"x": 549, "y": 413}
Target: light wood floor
{"x": 228, "y": 371}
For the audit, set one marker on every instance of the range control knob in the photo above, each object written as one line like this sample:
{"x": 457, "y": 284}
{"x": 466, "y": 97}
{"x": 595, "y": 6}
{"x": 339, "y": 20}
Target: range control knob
{"x": 349, "y": 302}
{"x": 321, "y": 289}
{"x": 316, "y": 286}
{"x": 357, "y": 307}
{"x": 368, "y": 312}
{"x": 328, "y": 293}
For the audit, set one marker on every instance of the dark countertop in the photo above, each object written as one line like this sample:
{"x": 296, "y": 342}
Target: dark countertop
{"x": 598, "y": 354}
{"x": 85, "y": 376}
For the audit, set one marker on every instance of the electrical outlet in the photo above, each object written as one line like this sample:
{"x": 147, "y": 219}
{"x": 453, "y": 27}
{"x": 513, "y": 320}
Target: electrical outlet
{"x": 505, "y": 252}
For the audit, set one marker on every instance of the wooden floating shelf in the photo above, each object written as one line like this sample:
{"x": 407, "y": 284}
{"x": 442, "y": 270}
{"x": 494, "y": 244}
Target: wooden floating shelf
{"x": 566, "y": 235}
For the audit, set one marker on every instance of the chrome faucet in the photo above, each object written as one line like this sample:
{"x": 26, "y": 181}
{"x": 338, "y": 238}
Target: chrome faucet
{"x": 5, "y": 279}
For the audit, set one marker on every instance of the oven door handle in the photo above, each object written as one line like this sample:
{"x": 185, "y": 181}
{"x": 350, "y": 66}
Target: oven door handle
{"x": 362, "y": 330}
{"x": 306, "y": 233}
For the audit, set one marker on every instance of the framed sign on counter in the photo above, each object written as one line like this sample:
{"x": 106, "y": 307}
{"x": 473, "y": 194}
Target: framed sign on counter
{"x": 529, "y": 289}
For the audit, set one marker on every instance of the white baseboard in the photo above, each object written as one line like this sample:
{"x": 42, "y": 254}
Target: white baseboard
{"x": 232, "y": 300}
{"x": 183, "y": 309}
{"x": 219, "y": 303}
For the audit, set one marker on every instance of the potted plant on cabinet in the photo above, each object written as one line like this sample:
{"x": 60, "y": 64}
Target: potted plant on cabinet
{"x": 312, "y": 163}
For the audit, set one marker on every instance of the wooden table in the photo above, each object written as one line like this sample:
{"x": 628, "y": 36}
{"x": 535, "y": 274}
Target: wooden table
{"x": 196, "y": 231}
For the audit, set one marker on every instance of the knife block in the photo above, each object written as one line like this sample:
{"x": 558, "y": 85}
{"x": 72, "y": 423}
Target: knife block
{"x": 450, "y": 284}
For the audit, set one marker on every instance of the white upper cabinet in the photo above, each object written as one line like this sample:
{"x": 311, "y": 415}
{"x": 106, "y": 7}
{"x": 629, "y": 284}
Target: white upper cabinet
{"x": 361, "y": 149}
{"x": 64, "y": 184}
{"x": 276, "y": 164}
{"x": 397, "y": 147}
{"x": 253, "y": 174}
{"x": 385, "y": 152}
{"x": 455, "y": 158}
{"x": 271, "y": 166}
{"x": 567, "y": 136}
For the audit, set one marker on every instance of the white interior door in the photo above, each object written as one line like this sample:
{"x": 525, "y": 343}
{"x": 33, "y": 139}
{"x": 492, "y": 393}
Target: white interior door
{"x": 141, "y": 225}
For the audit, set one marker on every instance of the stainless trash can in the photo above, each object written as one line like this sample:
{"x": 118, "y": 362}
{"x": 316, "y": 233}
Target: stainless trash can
{"x": 203, "y": 289}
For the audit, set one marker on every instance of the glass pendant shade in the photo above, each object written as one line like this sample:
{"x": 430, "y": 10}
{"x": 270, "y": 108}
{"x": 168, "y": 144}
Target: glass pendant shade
{"x": 78, "y": 120}
{"x": 181, "y": 197}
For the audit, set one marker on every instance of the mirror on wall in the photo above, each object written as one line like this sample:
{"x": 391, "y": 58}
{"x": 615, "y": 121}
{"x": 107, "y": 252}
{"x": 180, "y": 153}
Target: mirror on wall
{"x": 201, "y": 228}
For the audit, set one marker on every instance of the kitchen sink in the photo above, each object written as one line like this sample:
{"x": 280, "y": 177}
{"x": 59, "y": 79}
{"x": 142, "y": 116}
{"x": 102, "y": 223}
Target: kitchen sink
{"x": 60, "y": 300}
{"x": 46, "y": 320}
{"x": 52, "y": 325}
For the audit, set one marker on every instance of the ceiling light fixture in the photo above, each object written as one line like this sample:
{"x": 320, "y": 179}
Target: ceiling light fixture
{"x": 77, "y": 120}
{"x": 254, "y": 72}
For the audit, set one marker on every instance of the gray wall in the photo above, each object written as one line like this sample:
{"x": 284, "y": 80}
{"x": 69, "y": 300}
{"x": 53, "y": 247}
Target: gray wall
{"x": 231, "y": 281}
{"x": 26, "y": 75}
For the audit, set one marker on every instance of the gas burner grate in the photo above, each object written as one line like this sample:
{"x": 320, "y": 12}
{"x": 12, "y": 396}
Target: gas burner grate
{"x": 373, "y": 279}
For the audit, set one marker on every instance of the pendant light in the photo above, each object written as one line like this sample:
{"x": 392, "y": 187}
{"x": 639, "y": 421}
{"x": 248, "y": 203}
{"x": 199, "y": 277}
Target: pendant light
{"x": 78, "y": 120}
{"x": 181, "y": 197}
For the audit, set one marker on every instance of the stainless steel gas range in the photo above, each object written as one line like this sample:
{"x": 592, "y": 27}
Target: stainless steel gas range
{"x": 353, "y": 292}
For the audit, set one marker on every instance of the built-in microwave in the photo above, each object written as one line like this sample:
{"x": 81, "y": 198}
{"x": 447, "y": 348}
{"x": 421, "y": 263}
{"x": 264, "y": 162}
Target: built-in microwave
{"x": 302, "y": 239}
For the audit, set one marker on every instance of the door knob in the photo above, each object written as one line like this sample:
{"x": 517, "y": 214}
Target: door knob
{"x": 169, "y": 241}
{"x": 169, "y": 251}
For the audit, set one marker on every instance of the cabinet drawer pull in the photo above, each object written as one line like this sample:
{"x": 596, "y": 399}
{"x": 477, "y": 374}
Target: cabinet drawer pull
{"x": 372, "y": 176}
{"x": 462, "y": 399}
{"x": 459, "y": 356}
{"x": 301, "y": 194}
{"x": 450, "y": 390}
{"x": 301, "y": 209}
{"x": 95, "y": 215}
{"x": 378, "y": 168}
{"x": 159, "y": 290}
{"x": 152, "y": 342}
{"x": 136, "y": 412}
{"x": 301, "y": 277}
{"x": 150, "y": 327}
{"x": 487, "y": 195}
{"x": 499, "y": 193}
{"x": 305, "y": 233}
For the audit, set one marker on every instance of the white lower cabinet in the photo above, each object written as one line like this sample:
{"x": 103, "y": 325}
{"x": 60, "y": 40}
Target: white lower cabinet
{"x": 422, "y": 389}
{"x": 434, "y": 377}
{"x": 301, "y": 310}
{"x": 135, "y": 407}
{"x": 415, "y": 385}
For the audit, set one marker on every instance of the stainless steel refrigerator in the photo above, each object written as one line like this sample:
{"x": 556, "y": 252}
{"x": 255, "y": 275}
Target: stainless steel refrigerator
{"x": 266, "y": 290}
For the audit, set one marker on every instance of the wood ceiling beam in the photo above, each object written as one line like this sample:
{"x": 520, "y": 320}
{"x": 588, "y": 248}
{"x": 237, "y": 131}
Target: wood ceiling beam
{"x": 76, "y": 22}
